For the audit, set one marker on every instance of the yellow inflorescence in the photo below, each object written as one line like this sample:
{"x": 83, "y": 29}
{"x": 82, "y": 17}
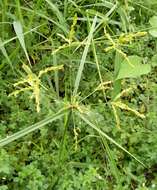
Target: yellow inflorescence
{"x": 117, "y": 104}
{"x": 127, "y": 108}
{"x": 72, "y": 29}
{"x": 126, "y": 38}
{"x": 123, "y": 39}
{"x": 33, "y": 83}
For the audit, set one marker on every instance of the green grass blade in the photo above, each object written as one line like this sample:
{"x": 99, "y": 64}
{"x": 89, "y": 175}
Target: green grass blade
{"x": 41, "y": 15}
{"x": 3, "y": 18}
{"x": 35, "y": 9}
{"x": 14, "y": 38}
{"x": 56, "y": 77}
{"x": 84, "y": 55}
{"x": 62, "y": 151}
{"x": 85, "y": 119}
{"x": 19, "y": 14}
{"x": 58, "y": 14}
{"x": 65, "y": 7}
{"x": 2, "y": 48}
{"x": 19, "y": 32}
{"x": 30, "y": 129}
{"x": 117, "y": 83}
{"x": 111, "y": 160}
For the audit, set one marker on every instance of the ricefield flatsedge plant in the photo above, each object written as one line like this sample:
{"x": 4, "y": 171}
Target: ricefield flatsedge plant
{"x": 86, "y": 66}
{"x": 34, "y": 83}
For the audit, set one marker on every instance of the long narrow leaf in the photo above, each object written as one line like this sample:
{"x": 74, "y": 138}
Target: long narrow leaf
{"x": 2, "y": 48}
{"x": 106, "y": 136}
{"x": 58, "y": 14}
{"x": 19, "y": 32}
{"x": 14, "y": 38}
{"x": 84, "y": 55}
{"x": 30, "y": 129}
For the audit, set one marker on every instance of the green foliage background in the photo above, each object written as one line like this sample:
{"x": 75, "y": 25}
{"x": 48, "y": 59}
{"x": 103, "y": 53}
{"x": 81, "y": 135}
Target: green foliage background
{"x": 68, "y": 154}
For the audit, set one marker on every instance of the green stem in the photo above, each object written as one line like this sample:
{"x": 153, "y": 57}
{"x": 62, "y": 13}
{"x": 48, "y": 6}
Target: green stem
{"x": 112, "y": 163}
{"x": 117, "y": 83}
{"x": 62, "y": 152}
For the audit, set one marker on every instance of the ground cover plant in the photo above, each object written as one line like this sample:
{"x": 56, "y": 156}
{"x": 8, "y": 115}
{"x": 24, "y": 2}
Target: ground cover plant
{"x": 78, "y": 94}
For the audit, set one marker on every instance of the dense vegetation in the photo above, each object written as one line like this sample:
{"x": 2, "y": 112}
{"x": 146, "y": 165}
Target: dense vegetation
{"x": 78, "y": 90}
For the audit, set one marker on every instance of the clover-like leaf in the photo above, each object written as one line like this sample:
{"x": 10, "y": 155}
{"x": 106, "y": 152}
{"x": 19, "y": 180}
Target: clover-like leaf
{"x": 154, "y": 60}
{"x": 134, "y": 70}
{"x": 153, "y": 23}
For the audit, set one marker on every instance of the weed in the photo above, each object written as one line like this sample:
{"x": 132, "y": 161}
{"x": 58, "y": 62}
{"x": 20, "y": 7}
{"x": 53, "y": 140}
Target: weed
{"x": 67, "y": 137}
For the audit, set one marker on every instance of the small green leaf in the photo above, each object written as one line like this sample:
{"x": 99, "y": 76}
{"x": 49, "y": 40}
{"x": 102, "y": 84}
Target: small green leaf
{"x": 153, "y": 32}
{"x": 153, "y": 23}
{"x": 4, "y": 162}
{"x": 134, "y": 70}
{"x": 154, "y": 61}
